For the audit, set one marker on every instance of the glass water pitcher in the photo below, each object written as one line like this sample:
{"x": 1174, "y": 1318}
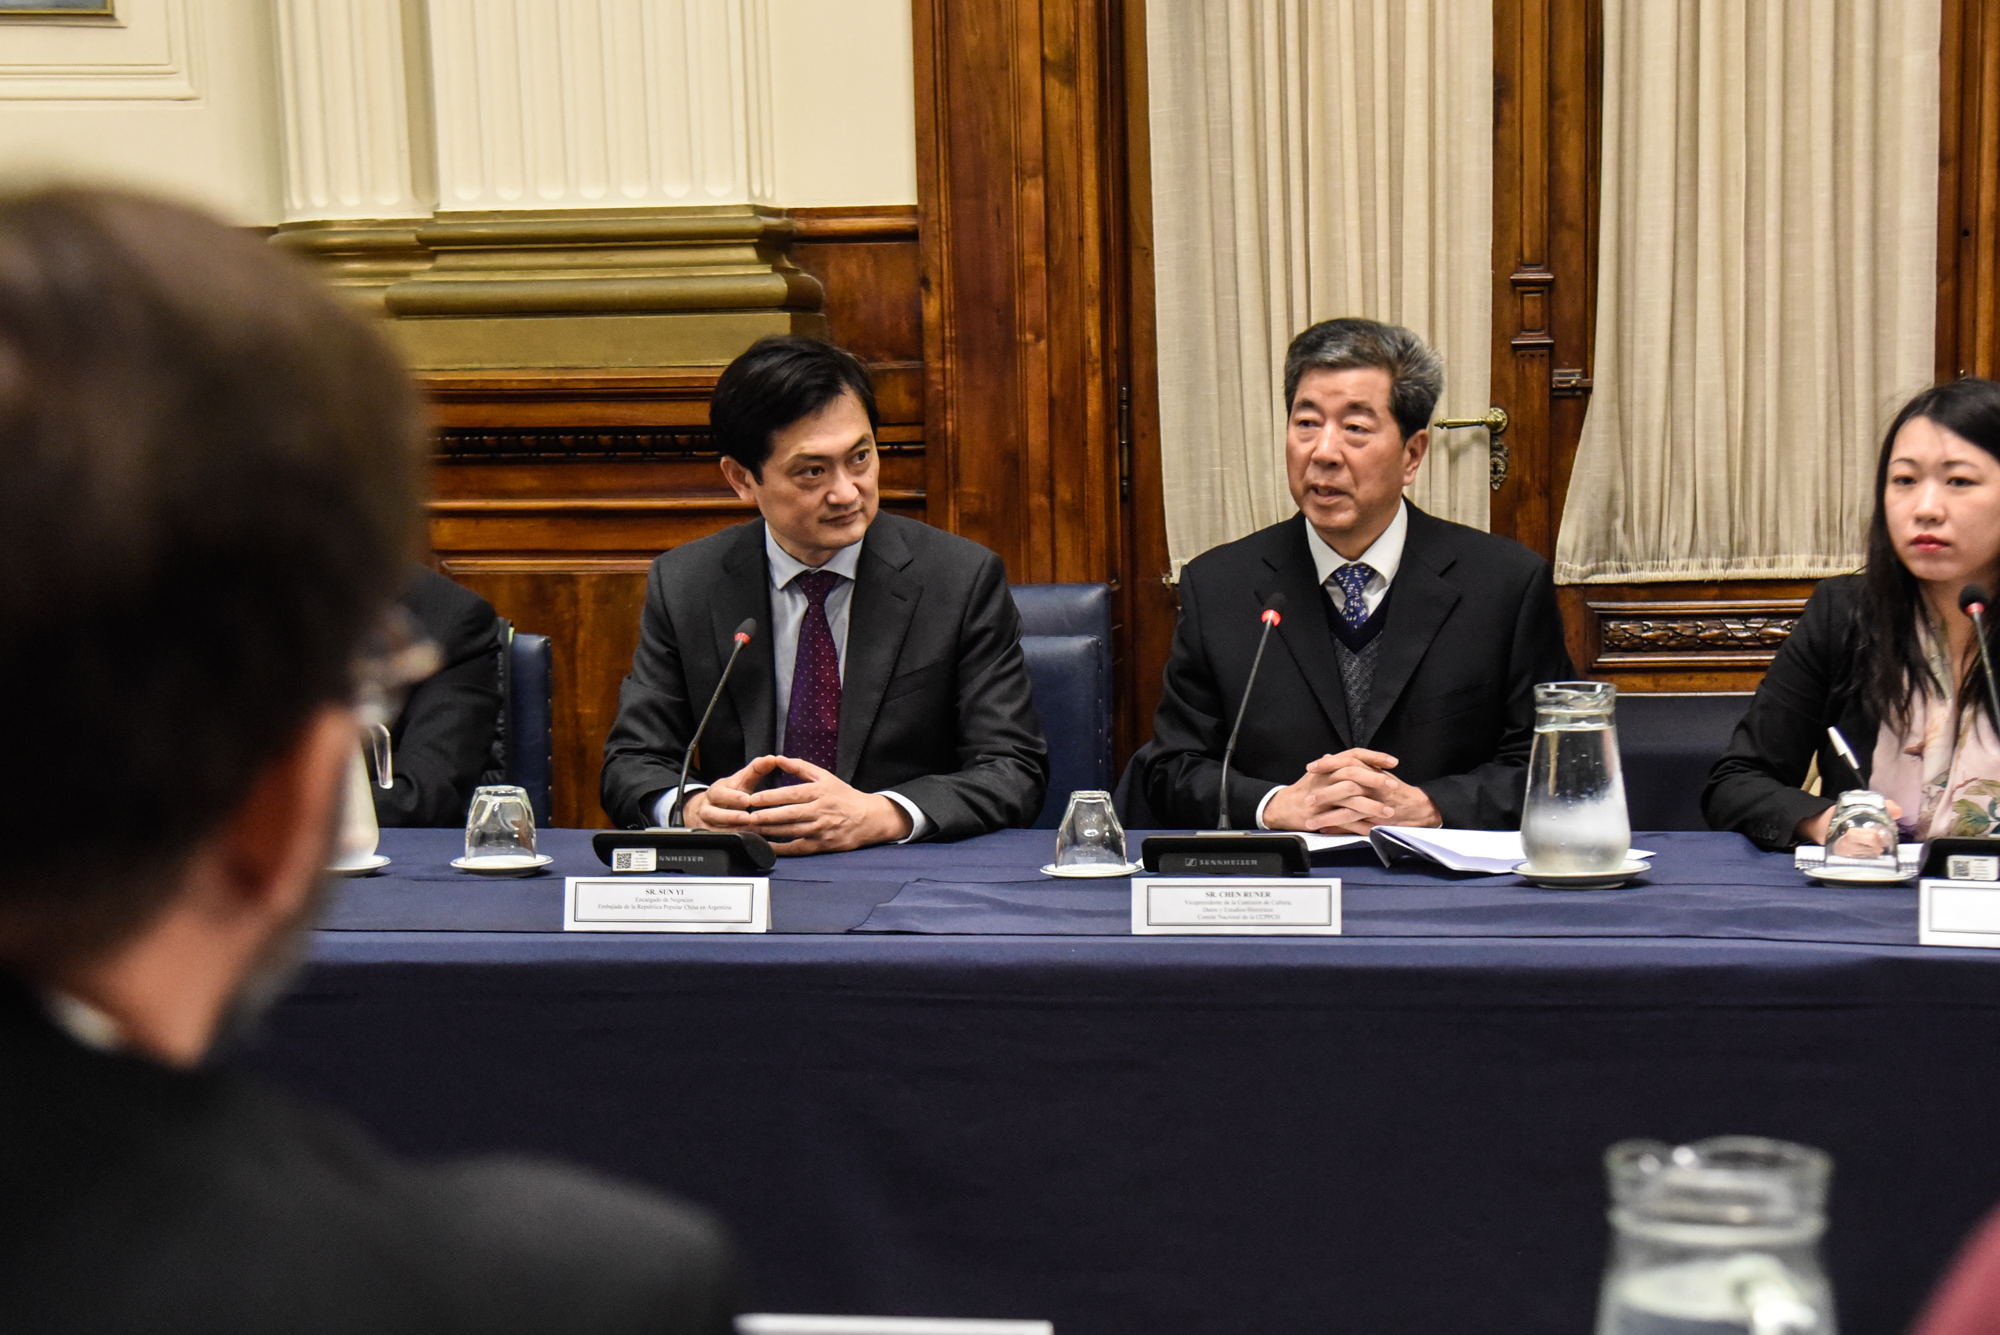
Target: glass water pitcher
{"x": 1720, "y": 1237}
{"x": 1574, "y": 820}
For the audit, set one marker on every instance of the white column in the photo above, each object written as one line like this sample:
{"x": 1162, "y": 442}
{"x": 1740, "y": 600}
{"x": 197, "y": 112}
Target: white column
{"x": 356, "y": 140}
{"x": 596, "y": 104}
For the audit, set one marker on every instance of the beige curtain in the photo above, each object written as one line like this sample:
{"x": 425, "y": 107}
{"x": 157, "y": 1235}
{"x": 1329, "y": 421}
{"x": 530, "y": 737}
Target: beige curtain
{"x": 1766, "y": 296}
{"x": 1313, "y": 158}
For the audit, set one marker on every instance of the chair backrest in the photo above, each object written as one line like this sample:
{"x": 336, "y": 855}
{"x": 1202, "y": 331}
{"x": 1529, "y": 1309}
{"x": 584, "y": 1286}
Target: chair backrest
{"x": 1667, "y": 744}
{"x": 1067, "y": 672}
{"x": 529, "y": 732}
{"x": 1066, "y": 638}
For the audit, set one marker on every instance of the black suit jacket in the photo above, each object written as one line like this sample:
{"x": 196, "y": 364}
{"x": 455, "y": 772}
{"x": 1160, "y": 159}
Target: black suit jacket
{"x": 138, "y": 1198}
{"x": 1814, "y": 683}
{"x": 934, "y": 702}
{"x": 443, "y": 741}
{"x": 1472, "y": 627}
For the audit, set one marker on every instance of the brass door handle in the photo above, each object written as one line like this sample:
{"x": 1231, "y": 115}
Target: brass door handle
{"x": 1495, "y": 422}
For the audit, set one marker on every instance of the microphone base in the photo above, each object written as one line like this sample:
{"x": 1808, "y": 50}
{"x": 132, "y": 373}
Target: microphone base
{"x": 1227, "y": 853}
{"x": 1938, "y": 854}
{"x": 693, "y": 852}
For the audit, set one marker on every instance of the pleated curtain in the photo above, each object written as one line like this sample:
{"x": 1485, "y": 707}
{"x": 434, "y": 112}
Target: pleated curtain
{"x": 1767, "y": 288}
{"x": 1311, "y": 159}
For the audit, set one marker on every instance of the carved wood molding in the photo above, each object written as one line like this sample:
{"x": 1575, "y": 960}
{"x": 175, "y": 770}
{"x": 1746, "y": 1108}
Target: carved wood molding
{"x": 1693, "y": 635}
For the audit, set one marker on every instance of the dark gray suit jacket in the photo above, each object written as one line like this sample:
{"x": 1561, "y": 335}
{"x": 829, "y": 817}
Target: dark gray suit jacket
{"x": 138, "y": 1198}
{"x": 1472, "y": 627}
{"x": 935, "y": 701}
{"x": 443, "y": 739}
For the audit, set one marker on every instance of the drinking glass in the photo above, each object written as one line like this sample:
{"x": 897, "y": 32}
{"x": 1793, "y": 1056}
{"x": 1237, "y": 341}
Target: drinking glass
{"x": 1090, "y": 835}
{"x": 359, "y": 831}
{"x": 1861, "y": 829}
{"x": 1716, "y": 1237}
{"x": 1574, "y": 819}
{"x": 500, "y": 827}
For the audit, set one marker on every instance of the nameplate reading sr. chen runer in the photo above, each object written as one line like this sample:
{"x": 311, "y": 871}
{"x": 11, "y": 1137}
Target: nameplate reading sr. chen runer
{"x": 667, "y": 904}
{"x": 1235, "y": 906}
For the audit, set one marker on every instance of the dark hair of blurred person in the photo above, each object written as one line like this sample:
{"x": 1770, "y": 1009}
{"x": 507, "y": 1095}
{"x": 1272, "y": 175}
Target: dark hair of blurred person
{"x": 211, "y": 494}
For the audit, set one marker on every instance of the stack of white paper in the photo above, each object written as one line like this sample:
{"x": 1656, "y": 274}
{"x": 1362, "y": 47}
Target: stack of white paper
{"x": 1491, "y": 851}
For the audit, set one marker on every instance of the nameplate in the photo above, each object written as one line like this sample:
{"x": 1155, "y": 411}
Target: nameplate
{"x": 667, "y": 904}
{"x": 1958, "y": 913}
{"x": 1235, "y": 906}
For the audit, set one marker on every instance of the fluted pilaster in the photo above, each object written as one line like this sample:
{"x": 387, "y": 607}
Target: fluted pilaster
{"x": 356, "y": 141}
{"x": 601, "y": 104}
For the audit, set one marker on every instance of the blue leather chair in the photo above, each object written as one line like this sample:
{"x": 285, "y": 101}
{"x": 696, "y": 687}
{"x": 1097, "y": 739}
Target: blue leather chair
{"x": 1667, "y": 743}
{"x": 527, "y": 717}
{"x": 1066, "y": 639}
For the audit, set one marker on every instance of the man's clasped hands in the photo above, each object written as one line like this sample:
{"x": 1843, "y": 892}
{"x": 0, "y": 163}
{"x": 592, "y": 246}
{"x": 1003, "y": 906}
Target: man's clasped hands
{"x": 817, "y": 814}
{"x": 1349, "y": 793}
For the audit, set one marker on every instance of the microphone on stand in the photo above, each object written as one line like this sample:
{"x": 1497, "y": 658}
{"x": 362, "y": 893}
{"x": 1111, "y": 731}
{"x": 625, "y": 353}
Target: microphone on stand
{"x": 1972, "y": 602}
{"x": 1223, "y": 851}
{"x": 1272, "y": 614}
{"x": 675, "y": 847}
{"x": 741, "y": 637}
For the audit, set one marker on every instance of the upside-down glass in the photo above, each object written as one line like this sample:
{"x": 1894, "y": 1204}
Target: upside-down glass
{"x": 1090, "y": 835}
{"x": 1574, "y": 819}
{"x": 500, "y": 827}
{"x": 1720, "y": 1237}
{"x": 1861, "y": 829}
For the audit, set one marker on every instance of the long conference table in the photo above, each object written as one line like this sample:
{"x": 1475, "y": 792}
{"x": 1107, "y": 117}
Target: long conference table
{"x": 945, "y": 1085}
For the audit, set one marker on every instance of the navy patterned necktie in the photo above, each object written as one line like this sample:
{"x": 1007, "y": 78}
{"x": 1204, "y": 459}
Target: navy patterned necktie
{"x": 1352, "y": 579}
{"x": 812, "y": 722}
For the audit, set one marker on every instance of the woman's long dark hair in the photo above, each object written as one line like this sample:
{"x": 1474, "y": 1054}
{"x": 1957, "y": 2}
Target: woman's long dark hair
{"x": 1892, "y": 655}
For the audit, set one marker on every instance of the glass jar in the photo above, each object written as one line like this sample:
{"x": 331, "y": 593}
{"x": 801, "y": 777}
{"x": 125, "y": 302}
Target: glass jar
{"x": 1716, "y": 1238}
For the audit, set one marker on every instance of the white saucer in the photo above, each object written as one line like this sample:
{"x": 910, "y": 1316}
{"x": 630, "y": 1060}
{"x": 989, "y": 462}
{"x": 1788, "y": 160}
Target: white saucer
{"x": 1857, "y": 876}
{"x": 504, "y": 864}
{"x": 374, "y": 862}
{"x": 1584, "y": 880}
{"x": 1091, "y": 870}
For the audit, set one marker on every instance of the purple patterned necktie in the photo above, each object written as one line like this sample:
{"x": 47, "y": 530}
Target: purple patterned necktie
{"x": 812, "y": 723}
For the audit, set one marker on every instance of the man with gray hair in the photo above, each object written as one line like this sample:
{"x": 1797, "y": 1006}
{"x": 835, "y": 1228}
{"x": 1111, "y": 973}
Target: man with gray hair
{"x": 1399, "y": 690}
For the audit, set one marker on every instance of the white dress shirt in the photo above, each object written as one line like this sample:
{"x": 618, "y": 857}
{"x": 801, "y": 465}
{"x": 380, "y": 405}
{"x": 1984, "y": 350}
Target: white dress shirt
{"x": 1384, "y": 556}
{"x": 789, "y": 605}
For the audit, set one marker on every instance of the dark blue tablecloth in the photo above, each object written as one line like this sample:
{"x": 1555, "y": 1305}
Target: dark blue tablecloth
{"x": 1701, "y": 885}
{"x": 1399, "y": 1128}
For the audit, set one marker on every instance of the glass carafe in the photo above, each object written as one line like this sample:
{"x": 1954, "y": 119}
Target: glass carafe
{"x": 1720, "y": 1237}
{"x": 1574, "y": 819}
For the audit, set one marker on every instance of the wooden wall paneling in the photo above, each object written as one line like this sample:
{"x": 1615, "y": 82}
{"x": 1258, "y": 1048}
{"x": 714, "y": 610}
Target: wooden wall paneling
{"x": 1547, "y": 73}
{"x": 1148, "y": 602}
{"x": 1021, "y": 196}
{"x": 1968, "y": 317}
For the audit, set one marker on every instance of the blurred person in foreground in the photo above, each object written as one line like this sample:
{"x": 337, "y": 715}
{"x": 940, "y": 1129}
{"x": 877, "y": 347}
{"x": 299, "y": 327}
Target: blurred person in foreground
{"x": 1885, "y": 654}
{"x": 211, "y": 498}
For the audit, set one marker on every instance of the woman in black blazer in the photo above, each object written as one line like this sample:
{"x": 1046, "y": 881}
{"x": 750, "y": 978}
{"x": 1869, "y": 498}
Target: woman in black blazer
{"x": 1885, "y": 654}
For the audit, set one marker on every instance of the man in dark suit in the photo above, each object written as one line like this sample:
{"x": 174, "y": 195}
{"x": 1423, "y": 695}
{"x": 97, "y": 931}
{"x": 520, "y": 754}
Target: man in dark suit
{"x": 883, "y": 698}
{"x": 1398, "y": 689}
{"x": 443, "y": 740}
{"x": 213, "y": 472}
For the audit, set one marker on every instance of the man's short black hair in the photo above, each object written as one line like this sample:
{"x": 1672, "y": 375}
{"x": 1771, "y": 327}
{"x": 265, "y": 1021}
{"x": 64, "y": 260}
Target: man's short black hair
{"x": 210, "y": 474}
{"x": 782, "y": 379}
{"x": 1416, "y": 372}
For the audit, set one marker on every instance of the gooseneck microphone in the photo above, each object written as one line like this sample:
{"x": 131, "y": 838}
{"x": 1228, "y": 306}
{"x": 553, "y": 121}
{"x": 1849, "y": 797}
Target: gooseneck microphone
{"x": 1223, "y": 851}
{"x": 742, "y": 637}
{"x": 676, "y": 848}
{"x": 1972, "y": 601}
{"x": 1273, "y": 613}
